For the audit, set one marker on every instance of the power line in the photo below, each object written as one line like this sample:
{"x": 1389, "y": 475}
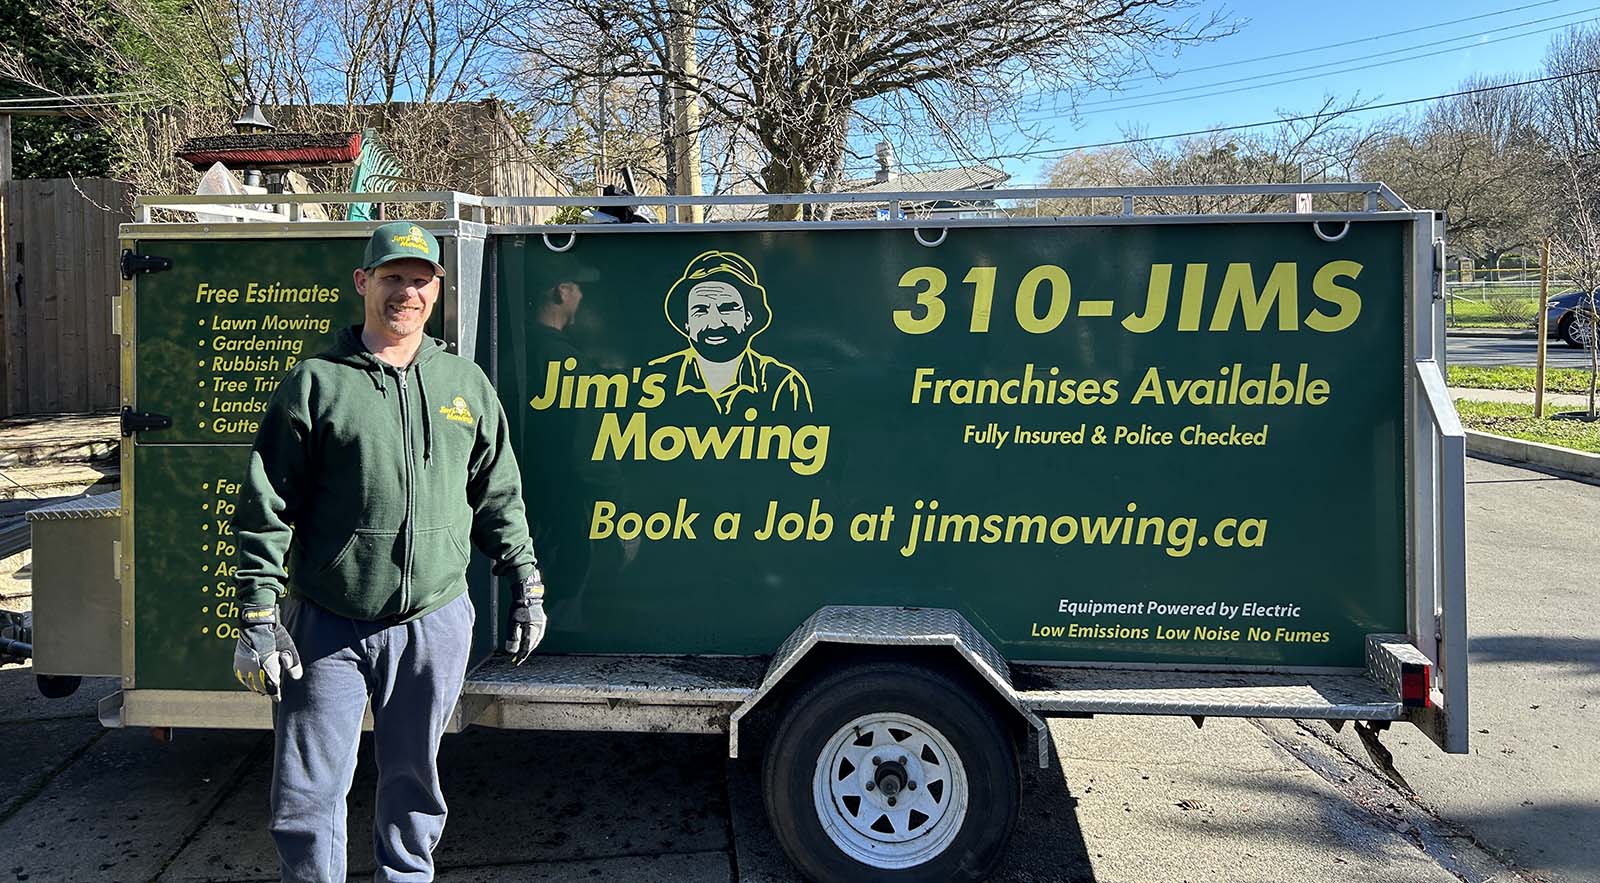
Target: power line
{"x": 1351, "y": 70}
{"x": 1360, "y": 58}
{"x": 1340, "y": 45}
{"x": 1063, "y": 149}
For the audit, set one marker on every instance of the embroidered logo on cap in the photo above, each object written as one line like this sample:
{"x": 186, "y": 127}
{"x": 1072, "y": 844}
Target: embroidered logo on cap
{"x": 412, "y": 240}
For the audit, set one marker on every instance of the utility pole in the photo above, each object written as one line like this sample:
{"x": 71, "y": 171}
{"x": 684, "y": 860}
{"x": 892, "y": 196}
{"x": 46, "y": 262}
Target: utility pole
{"x": 686, "y": 109}
{"x": 602, "y": 168}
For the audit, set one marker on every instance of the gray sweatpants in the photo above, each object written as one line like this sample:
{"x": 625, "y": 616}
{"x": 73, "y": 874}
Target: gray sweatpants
{"x": 413, "y": 674}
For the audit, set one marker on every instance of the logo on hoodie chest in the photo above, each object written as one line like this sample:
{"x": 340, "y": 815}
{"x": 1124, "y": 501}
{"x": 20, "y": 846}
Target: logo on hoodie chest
{"x": 457, "y": 411}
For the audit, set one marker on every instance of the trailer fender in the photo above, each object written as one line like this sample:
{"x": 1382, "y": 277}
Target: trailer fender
{"x": 911, "y": 628}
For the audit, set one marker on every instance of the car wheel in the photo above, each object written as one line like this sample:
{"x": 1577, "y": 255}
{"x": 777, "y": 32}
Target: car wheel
{"x": 891, "y": 772}
{"x": 1576, "y": 330}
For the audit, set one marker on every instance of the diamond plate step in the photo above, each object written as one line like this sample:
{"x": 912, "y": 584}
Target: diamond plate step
{"x": 1047, "y": 689}
{"x": 644, "y": 679}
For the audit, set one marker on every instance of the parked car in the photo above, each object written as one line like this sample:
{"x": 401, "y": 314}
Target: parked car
{"x": 1566, "y": 319}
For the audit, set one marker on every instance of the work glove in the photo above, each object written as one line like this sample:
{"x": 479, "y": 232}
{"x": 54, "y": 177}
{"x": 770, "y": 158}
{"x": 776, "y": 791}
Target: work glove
{"x": 265, "y": 653}
{"x": 527, "y": 619}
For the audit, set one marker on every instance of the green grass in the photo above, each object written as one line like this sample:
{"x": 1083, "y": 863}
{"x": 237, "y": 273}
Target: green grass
{"x": 1517, "y": 421}
{"x": 1574, "y": 380}
{"x": 1493, "y": 306}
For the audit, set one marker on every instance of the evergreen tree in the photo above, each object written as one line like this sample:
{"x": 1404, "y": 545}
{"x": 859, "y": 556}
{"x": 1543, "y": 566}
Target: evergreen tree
{"x": 55, "y": 147}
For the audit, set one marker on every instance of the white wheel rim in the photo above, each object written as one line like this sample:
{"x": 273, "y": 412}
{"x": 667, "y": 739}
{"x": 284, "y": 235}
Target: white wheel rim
{"x": 929, "y": 807}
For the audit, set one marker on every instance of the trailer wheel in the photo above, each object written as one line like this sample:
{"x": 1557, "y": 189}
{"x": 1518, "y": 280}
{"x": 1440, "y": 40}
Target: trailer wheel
{"x": 891, "y": 772}
{"x": 57, "y": 686}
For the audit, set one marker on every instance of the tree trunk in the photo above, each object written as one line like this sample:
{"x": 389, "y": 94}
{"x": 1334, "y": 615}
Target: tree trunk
{"x": 782, "y": 176}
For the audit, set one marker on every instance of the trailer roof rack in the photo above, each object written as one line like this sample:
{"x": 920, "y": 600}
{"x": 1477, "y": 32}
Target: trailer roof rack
{"x": 1136, "y": 202}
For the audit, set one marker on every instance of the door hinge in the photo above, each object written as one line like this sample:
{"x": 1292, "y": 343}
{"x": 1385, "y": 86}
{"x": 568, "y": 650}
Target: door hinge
{"x": 140, "y": 421}
{"x": 134, "y": 264}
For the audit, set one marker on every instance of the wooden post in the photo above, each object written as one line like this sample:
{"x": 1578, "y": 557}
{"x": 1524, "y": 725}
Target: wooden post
{"x": 1544, "y": 331}
{"x": 5, "y": 148}
{"x": 686, "y": 110}
{"x": 6, "y": 409}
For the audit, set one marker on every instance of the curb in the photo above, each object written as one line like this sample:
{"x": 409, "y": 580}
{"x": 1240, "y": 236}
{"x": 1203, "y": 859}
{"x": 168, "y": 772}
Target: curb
{"x": 1516, "y": 450}
{"x": 1516, "y": 333}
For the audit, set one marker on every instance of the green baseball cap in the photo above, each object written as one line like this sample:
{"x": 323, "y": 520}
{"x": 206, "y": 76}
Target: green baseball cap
{"x": 402, "y": 240}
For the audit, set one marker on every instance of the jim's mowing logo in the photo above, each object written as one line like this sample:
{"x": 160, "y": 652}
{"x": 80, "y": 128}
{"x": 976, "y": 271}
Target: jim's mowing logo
{"x": 718, "y": 307}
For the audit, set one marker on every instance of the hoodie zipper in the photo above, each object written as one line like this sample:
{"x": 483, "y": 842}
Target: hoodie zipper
{"x": 409, "y": 533}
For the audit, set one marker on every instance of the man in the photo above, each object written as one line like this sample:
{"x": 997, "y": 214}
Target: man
{"x": 375, "y": 463}
{"x": 720, "y": 306}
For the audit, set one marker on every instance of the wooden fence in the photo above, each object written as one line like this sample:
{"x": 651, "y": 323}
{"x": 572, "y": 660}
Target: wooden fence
{"x": 60, "y": 253}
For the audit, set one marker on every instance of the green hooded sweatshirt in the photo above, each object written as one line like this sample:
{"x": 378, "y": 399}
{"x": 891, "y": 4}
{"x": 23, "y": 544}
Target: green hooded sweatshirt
{"x": 367, "y": 482}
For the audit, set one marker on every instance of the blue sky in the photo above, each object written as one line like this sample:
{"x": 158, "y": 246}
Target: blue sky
{"x": 1501, "y": 37}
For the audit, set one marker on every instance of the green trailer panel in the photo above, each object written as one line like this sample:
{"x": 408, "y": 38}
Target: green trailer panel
{"x": 1098, "y": 443}
{"x": 1168, "y": 443}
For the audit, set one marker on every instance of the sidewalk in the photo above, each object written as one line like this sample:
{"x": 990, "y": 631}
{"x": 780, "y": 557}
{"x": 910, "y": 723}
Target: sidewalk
{"x": 1557, "y": 399}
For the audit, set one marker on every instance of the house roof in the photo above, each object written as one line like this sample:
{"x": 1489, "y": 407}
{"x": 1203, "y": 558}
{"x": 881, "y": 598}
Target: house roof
{"x": 272, "y": 148}
{"x": 978, "y": 177}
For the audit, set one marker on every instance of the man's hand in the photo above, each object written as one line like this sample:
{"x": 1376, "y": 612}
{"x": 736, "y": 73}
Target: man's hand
{"x": 527, "y": 619}
{"x": 265, "y": 652}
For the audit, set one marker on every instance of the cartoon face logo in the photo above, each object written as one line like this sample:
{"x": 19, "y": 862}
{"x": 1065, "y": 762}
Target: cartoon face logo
{"x": 719, "y": 306}
{"x": 457, "y": 411}
{"x": 413, "y": 240}
{"x": 718, "y": 322}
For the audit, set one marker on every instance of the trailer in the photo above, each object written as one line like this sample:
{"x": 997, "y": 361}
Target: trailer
{"x": 890, "y": 492}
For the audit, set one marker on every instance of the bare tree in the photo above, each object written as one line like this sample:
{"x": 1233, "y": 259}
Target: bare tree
{"x": 1323, "y": 146}
{"x": 1569, "y": 127}
{"x": 799, "y": 76}
{"x": 1477, "y": 157}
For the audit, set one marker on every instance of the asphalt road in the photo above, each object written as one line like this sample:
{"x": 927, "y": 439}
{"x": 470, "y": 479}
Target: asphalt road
{"x": 1128, "y": 799}
{"x": 1460, "y": 350}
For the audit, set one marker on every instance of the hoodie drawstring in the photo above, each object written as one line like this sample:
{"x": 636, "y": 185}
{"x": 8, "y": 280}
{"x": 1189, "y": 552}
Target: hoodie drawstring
{"x": 427, "y": 421}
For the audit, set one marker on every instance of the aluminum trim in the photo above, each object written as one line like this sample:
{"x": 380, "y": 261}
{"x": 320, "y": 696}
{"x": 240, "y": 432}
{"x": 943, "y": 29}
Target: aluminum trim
{"x": 452, "y": 200}
{"x": 592, "y": 717}
{"x": 960, "y": 196}
{"x": 1203, "y": 669}
{"x": 1454, "y": 720}
{"x": 1349, "y": 697}
{"x": 442, "y": 197}
{"x": 687, "y": 680}
{"x": 302, "y": 230}
{"x": 107, "y": 505}
{"x": 891, "y": 627}
{"x": 1387, "y": 656}
{"x": 952, "y": 223}
{"x": 213, "y": 709}
{"x": 129, "y": 480}
{"x": 1437, "y": 397}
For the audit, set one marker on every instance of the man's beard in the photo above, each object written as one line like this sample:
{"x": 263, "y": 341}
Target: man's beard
{"x": 730, "y": 348}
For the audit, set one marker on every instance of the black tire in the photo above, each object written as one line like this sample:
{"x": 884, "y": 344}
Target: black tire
{"x": 1564, "y": 330}
{"x": 972, "y": 727}
{"x": 57, "y": 686}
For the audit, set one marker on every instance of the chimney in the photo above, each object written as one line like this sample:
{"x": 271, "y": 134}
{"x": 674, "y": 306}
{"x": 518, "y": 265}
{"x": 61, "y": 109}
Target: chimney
{"x": 886, "y": 171}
